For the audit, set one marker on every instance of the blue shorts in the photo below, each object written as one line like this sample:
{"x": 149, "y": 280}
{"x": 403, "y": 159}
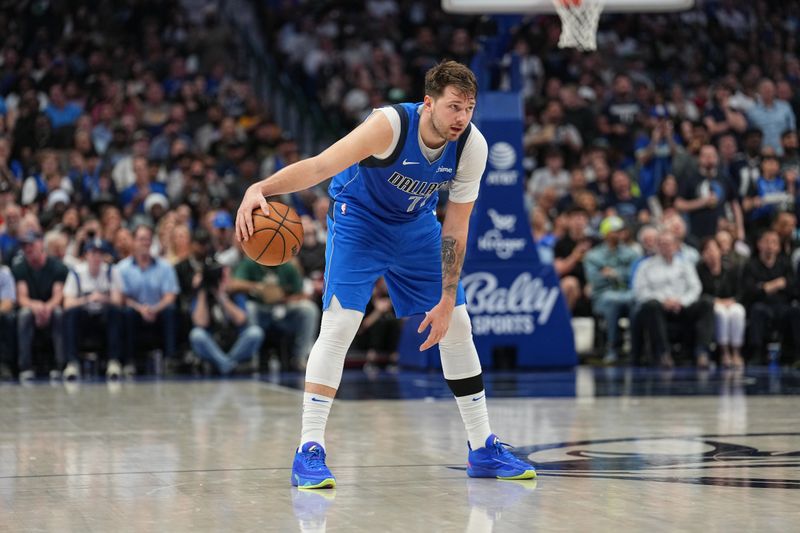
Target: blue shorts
{"x": 361, "y": 248}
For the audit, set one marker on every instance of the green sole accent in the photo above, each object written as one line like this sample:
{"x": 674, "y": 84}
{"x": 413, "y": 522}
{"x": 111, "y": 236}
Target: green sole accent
{"x": 528, "y": 474}
{"x": 329, "y": 483}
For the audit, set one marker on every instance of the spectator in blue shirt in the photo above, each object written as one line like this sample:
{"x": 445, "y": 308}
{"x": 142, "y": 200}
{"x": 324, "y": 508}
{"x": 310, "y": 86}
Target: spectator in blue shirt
{"x": 148, "y": 288}
{"x": 132, "y": 199}
{"x": 766, "y": 195}
{"x": 654, "y": 152}
{"x": 608, "y": 268}
{"x": 60, "y": 112}
{"x": 771, "y": 115}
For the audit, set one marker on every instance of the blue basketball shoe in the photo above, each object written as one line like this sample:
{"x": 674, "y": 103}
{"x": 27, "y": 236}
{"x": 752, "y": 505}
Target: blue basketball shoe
{"x": 494, "y": 460}
{"x": 309, "y": 470}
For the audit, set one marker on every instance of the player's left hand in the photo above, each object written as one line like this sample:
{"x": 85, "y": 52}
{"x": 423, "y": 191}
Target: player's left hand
{"x": 438, "y": 319}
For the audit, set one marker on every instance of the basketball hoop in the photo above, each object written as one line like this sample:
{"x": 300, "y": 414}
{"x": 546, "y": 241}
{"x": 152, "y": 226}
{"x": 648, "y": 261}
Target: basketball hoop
{"x": 579, "y": 20}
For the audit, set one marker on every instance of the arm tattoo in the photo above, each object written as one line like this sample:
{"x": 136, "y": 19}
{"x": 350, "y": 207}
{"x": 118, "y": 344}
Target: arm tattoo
{"x": 452, "y": 260}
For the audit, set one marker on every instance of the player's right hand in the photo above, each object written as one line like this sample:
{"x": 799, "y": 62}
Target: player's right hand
{"x": 244, "y": 216}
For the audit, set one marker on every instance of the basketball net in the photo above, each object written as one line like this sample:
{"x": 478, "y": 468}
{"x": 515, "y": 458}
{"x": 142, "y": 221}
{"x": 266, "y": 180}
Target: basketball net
{"x": 579, "y": 20}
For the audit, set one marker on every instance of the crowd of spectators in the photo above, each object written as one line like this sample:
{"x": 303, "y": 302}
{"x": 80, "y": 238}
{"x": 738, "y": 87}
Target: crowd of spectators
{"x": 127, "y": 137}
{"x": 661, "y": 174}
{"x": 681, "y": 123}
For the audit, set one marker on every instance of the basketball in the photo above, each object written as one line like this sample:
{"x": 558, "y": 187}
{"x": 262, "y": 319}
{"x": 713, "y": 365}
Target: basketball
{"x": 276, "y": 238}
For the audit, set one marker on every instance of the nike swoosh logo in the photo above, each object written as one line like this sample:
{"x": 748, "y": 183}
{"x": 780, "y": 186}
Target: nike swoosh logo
{"x": 478, "y": 398}
{"x": 320, "y": 401}
{"x": 407, "y": 162}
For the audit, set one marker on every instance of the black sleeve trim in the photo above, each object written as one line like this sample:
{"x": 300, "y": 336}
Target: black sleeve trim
{"x": 462, "y": 141}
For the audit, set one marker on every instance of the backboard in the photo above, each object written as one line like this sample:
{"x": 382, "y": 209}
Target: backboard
{"x": 490, "y": 7}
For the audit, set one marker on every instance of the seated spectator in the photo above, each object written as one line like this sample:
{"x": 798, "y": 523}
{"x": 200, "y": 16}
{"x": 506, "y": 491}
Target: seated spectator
{"x": 601, "y": 184}
{"x": 552, "y": 131}
{"x": 766, "y": 196}
{"x": 621, "y": 201}
{"x": 732, "y": 252}
{"x": 620, "y": 118}
{"x": 59, "y": 111}
{"x": 790, "y": 162}
{"x": 148, "y": 288}
{"x": 9, "y": 242}
{"x": 674, "y": 224}
{"x": 379, "y": 332}
{"x": 190, "y": 269}
{"x": 543, "y": 237}
{"x": 668, "y": 290}
{"x": 552, "y": 174}
{"x": 123, "y": 173}
{"x": 37, "y": 188}
{"x": 646, "y": 246}
{"x": 132, "y": 199}
{"x": 746, "y": 167}
{"x": 680, "y": 107}
{"x": 771, "y": 115}
{"x": 663, "y": 202}
{"x": 220, "y": 333}
{"x": 40, "y": 291}
{"x": 568, "y": 263}
{"x": 785, "y": 225}
{"x": 223, "y": 238}
{"x": 123, "y": 244}
{"x": 577, "y": 185}
{"x": 311, "y": 258}
{"x": 181, "y": 246}
{"x": 721, "y": 118}
{"x": 720, "y": 285}
{"x": 684, "y": 161}
{"x": 280, "y": 302}
{"x": 88, "y": 310}
{"x": 8, "y": 299}
{"x": 768, "y": 290}
{"x": 608, "y": 269}
{"x": 587, "y": 201}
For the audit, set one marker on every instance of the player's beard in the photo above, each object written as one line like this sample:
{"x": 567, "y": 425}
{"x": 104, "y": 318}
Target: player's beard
{"x": 443, "y": 133}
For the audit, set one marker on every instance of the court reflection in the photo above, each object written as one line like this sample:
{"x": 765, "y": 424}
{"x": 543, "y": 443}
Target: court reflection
{"x": 311, "y": 508}
{"x": 500, "y": 504}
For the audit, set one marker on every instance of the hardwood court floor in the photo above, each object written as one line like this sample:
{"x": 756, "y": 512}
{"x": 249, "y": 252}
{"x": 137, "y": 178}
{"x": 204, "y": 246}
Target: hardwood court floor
{"x": 215, "y": 456}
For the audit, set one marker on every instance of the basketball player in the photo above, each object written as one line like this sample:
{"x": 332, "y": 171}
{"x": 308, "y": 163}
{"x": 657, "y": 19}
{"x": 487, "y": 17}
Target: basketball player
{"x": 386, "y": 176}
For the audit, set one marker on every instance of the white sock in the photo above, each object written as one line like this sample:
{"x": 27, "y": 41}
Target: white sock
{"x": 316, "y": 409}
{"x": 476, "y": 418}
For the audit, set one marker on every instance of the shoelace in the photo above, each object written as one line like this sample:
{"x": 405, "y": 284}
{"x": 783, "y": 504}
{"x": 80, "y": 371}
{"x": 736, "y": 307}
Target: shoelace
{"x": 501, "y": 449}
{"x": 316, "y": 459}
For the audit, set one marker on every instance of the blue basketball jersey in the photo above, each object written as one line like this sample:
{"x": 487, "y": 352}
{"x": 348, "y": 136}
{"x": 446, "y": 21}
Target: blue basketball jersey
{"x": 405, "y": 185}
{"x": 381, "y": 223}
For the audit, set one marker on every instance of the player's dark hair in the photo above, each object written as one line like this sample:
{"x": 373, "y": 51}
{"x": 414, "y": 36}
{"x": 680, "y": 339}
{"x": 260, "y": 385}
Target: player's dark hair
{"x": 450, "y": 73}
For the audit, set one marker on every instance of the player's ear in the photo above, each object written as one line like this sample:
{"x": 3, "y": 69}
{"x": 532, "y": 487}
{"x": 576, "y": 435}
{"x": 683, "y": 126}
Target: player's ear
{"x": 427, "y": 102}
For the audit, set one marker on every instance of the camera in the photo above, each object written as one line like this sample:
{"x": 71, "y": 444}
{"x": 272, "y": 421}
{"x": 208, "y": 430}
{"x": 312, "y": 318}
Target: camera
{"x": 212, "y": 274}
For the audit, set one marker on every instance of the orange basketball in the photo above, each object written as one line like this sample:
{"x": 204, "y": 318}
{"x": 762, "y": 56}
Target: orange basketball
{"x": 276, "y": 238}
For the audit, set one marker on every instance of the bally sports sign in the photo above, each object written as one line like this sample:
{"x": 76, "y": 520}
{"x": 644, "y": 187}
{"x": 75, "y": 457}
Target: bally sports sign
{"x": 512, "y": 310}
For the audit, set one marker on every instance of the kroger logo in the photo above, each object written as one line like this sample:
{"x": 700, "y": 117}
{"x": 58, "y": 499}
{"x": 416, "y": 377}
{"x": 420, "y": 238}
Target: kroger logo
{"x": 493, "y": 239}
{"x": 502, "y": 156}
{"x": 502, "y": 222}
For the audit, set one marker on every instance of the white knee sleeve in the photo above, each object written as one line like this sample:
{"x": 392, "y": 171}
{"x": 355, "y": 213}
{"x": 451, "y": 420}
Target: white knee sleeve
{"x": 459, "y": 356}
{"x": 326, "y": 360}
